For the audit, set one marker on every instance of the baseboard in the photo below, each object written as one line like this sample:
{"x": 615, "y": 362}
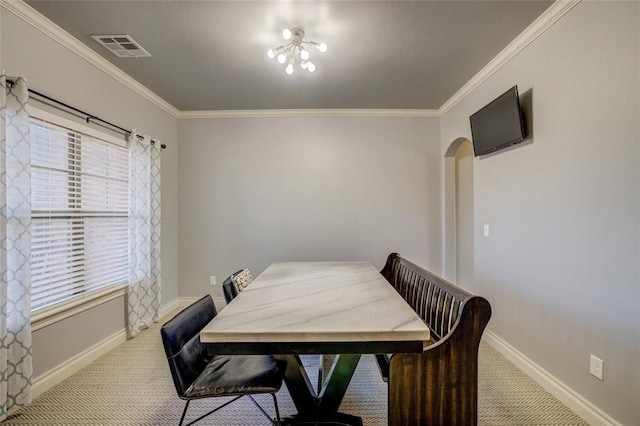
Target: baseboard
{"x": 168, "y": 308}
{"x": 576, "y": 402}
{"x": 76, "y": 363}
{"x": 186, "y": 301}
{"x": 220, "y": 303}
{"x": 581, "y": 406}
{"x": 183, "y": 302}
{"x": 71, "y": 366}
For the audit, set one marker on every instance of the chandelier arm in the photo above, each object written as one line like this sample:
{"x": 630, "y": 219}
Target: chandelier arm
{"x": 287, "y": 50}
{"x": 296, "y": 46}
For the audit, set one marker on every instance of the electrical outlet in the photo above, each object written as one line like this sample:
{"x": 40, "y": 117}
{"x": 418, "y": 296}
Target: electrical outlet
{"x": 596, "y": 367}
{"x": 212, "y": 280}
{"x": 486, "y": 230}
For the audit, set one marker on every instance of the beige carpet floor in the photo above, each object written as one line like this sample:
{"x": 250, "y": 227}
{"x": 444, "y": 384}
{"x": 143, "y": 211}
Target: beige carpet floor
{"x": 131, "y": 385}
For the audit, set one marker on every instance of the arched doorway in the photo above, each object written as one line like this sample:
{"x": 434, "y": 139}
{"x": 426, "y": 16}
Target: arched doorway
{"x": 458, "y": 214}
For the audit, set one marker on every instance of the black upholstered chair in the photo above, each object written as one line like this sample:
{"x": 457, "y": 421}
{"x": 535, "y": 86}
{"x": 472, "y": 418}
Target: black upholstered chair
{"x": 229, "y": 290}
{"x": 198, "y": 374}
{"x": 235, "y": 284}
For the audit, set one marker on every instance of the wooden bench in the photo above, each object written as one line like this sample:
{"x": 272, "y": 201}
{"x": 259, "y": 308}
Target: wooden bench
{"x": 440, "y": 385}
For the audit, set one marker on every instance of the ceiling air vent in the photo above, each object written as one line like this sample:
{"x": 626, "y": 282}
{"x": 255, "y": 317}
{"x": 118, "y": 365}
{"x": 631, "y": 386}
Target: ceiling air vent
{"x": 122, "y": 45}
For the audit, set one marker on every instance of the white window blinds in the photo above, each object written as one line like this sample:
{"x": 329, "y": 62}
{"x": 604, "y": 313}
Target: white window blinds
{"x": 79, "y": 211}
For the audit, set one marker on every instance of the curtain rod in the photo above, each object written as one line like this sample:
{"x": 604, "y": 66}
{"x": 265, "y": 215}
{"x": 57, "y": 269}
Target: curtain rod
{"x": 88, "y": 117}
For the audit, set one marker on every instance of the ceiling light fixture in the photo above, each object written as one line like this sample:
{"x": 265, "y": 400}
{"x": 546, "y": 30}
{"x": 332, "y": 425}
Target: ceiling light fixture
{"x": 295, "y": 50}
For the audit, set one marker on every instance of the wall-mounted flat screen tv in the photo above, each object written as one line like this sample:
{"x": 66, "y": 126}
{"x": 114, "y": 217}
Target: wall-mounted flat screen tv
{"x": 498, "y": 124}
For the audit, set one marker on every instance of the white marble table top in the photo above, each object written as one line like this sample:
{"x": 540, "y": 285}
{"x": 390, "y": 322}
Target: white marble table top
{"x": 317, "y": 302}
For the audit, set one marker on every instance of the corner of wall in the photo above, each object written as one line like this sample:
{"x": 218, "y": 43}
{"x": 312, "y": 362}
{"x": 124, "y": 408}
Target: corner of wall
{"x": 576, "y": 402}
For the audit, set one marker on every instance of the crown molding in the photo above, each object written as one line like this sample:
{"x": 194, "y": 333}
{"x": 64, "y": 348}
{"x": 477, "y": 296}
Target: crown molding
{"x": 556, "y": 11}
{"x": 533, "y": 31}
{"x": 34, "y": 18}
{"x": 274, "y": 113}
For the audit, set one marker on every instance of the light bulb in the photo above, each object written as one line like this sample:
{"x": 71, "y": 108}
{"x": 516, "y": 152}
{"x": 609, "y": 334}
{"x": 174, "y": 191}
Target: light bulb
{"x": 286, "y": 33}
{"x": 304, "y": 54}
{"x": 304, "y": 64}
{"x": 289, "y": 69}
{"x": 282, "y": 58}
{"x": 271, "y": 53}
{"x": 322, "y": 47}
{"x": 311, "y": 67}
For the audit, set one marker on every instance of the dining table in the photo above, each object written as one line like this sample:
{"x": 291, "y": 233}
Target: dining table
{"x": 295, "y": 308}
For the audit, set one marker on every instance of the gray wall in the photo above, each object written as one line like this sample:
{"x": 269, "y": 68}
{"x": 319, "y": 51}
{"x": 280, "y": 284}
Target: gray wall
{"x": 464, "y": 216}
{"x": 56, "y": 71}
{"x": 560, "y": 267}
{"x": 68, "y": 338}
{"x": 258, "y": 190}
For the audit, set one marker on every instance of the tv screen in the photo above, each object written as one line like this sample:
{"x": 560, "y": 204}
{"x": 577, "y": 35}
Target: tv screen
{"x": 498, "y": 124}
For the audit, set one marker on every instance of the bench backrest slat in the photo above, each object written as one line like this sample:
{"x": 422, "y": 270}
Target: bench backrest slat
{"x": 434, "y": 299}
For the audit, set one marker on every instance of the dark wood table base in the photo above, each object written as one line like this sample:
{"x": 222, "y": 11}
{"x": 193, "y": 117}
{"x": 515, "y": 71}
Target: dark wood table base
{"x": 338, "y": 419}
{"x": 320, "y": 407}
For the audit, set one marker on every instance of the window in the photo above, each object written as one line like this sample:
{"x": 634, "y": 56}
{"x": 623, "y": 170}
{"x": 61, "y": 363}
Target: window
{"x": 79, "y": 211}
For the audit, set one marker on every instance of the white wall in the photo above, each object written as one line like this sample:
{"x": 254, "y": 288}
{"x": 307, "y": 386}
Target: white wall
{"x": 54, "y": 70}
{"x": 258, "y": 190}
{"x": 561, "y": 266}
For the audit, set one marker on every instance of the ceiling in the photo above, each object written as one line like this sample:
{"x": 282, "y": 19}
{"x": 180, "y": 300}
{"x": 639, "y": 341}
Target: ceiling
{"x": 211, "y": 55}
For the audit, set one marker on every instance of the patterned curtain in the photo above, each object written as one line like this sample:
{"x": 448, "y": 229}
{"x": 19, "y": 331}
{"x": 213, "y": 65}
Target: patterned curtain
{"x": 15, "y": 251}
{"x": 144, "y": 233}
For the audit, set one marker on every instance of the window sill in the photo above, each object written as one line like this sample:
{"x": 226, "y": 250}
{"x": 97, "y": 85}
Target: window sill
{"x": 47, "y": 316}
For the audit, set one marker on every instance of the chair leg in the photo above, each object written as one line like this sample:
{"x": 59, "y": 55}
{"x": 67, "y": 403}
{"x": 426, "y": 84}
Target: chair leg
{"x": 275, "y": 404}
{"x": 212, "y": 411}
{"x": 184, "y": 412}
{"x": 277, "y": 422}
